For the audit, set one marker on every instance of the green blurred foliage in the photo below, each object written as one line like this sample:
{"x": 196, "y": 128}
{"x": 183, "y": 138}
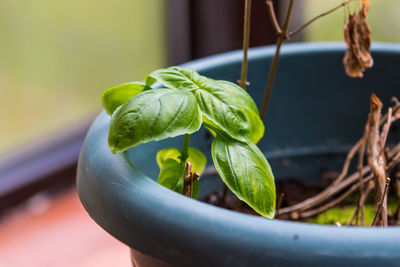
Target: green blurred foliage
{"x": 57, "y": 57}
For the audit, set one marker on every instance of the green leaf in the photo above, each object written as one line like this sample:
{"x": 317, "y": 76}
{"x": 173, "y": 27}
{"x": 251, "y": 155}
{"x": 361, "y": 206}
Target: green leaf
{"x": 172, "y": 175}
{"x": 153, "y": 115}
{"x": 228, "y": 108}
{"x": 241, "y": 96}
{"x": 178, "y": 78}
{"x": 118, "y": 95}
{"x": 257, "y": 128}
{"x": 196, "y": 157}
{"x": 220, "y": 113}
{"x": 244, "y": 100}
{"x": 149, "y": 81}
{"x": 246, "y": 172}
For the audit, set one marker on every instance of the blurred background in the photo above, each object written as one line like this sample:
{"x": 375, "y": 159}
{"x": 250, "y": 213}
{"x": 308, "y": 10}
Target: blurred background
{"x": 57, "y": 57}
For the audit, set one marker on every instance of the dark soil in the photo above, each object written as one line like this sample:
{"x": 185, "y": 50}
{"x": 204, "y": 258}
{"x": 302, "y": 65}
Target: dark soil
{"x": 293, "y": 189}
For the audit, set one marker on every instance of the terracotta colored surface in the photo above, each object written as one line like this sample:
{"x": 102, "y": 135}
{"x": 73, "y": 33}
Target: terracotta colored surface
{"x": 57, "y": 232}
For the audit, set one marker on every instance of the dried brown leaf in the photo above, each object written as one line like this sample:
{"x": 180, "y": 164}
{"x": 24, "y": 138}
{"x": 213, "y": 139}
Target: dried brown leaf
{"x": 366, "y": 4}
{"x": 357, "y": 36}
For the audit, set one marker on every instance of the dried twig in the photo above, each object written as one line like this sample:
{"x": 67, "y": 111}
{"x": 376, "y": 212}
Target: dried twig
{"x": 360, "y": 145}
{"x": 188, "y": 181}
{"x": 381, "y": 205}
{"x": 294, "y": 32}
{"x": 361, "y": 204}
{"x": 246, "y": 40}
{"x": 394, "y": 157}
{"x": 325, "y": 194}
{"x": 347, "y": 162}
{"x": 334, "y": 202}
{"x": 274, "y": 62}
{"x": 397, "y": 183}
{"x": 385, "y": 131}
{"x": 375, "y": 158}
{"x": 272, "y": 16}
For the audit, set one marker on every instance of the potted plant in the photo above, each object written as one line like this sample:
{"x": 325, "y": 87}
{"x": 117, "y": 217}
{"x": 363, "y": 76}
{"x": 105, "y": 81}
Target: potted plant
{"x": 316, "y": 113}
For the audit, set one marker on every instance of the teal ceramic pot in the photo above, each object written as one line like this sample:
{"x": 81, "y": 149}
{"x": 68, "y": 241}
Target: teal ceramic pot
{"x": 316, "y": 114}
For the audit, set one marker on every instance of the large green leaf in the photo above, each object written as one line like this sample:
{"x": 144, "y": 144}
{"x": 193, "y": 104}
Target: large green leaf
{"x": 226, "y": 107}
{"x": 220, "y": 113}
{"x": 196, "y": 157}
{"x": 246, "y": 172}
{"x": 118, "y": 95}
{"x": 151, "y": 116}
{"x": 179, "y": 78}
{"x": 226, "y": 100}
{"x": 172, "y": 175}
{"x": 241, "y": 96}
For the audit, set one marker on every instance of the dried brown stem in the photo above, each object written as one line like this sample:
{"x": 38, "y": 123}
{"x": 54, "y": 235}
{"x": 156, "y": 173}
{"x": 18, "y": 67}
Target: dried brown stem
{"x": 246, "y": 40}
{"x": 274, "y": 62}
{"x": 381, "y": 205}
{"x": 385, "y": 131}
{"x": 272, "y": 16}
{"x": 334, "y": 202}
{"x": 325, "y": 194}
{"x": 375, "y": 158}
{"x": 394, "y": 157}
{"x": 360, "y": 145}
{"x": 347, "y": 162}
{"x": 397, "y": 183}
{"x": 188, "y": 181}
{"x": 318, "y": 17}
{"x": 361, "y": 204}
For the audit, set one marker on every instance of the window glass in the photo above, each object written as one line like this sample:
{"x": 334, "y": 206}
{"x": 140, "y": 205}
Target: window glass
{"x": 56, "y": 57}
{"x": 383, "y": 18}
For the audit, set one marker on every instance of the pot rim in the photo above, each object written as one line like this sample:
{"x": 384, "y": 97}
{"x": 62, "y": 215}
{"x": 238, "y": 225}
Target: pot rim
{"x": 134, "y": 208}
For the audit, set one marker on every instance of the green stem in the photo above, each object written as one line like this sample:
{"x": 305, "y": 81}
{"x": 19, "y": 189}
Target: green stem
{"x": 274, "y": 62}
{"x": 185, "y": 149}
{"x": 246, "y": 40}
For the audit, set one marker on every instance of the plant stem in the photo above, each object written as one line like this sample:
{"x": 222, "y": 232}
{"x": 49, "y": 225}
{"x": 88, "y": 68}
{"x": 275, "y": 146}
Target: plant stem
{"x": 272, "y": 17}
{"x": 282, "y": 36}
{"x": 185, "y": 149}
{"x": 246, "y": 39}
{"x": 188, "y": 180}
{"x": 381, "y": 203}
{"x": 317, "y": 17}
{"x": 274, "y": 63}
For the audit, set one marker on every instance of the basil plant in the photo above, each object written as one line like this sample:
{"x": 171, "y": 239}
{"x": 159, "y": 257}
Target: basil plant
{"x": 141, "y": 114}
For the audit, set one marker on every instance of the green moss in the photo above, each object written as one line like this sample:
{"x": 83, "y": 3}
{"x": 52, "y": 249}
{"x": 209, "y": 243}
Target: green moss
{"x": 343, "y": 214}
